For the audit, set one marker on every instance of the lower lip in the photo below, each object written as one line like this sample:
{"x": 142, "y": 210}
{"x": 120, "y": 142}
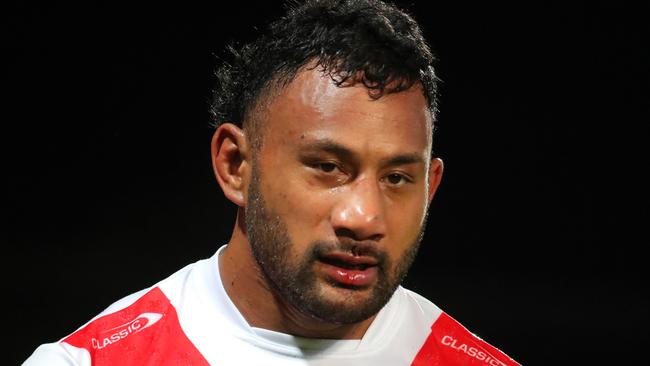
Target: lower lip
{"x": 351, "y": 277}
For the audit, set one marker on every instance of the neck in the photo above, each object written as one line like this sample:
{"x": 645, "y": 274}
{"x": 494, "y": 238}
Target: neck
{"x": 261, "y": 306}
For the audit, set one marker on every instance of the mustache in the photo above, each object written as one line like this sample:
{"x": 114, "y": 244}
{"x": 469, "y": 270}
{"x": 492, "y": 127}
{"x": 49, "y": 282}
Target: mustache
{"x": 354, "y": 247}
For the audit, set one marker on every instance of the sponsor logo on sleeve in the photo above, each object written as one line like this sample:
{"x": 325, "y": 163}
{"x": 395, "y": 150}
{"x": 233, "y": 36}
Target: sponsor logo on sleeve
{"x": 130, "y": 343}
{"x": 449, "y": 343}
{"x": 477, "y": 353}
{"x": 111, "y": 336}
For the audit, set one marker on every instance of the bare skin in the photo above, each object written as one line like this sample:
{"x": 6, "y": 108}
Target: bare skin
{"x": 335, "y": 165}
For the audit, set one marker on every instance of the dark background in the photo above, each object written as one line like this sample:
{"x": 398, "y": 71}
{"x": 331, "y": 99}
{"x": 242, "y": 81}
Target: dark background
{"x": 536, "y": 237}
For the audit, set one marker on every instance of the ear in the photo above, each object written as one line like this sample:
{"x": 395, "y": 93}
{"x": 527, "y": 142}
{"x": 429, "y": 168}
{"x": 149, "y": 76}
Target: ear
{"x": 435, "y": 175}
{"x": 230, "y": 161}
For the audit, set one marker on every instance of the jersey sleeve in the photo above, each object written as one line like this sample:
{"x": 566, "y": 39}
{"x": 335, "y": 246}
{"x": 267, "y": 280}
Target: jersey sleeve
{"x": 146, "y": 332}
{"x": 451, "y": 344}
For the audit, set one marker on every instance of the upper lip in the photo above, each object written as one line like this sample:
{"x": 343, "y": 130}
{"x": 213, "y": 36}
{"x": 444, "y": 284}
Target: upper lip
{"x": 342, "y": 258}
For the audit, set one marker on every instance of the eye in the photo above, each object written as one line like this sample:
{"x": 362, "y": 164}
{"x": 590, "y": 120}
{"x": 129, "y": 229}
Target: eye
{"x": 327, "y": 167}
{"x": 397, "y": 179}
{"x": 329, "y": 172}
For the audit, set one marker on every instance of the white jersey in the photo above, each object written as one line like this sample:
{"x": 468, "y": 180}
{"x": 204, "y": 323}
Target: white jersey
{"x": 188, "y": 319}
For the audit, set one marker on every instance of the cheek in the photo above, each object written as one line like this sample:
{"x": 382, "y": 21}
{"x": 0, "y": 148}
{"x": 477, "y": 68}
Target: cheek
{"x": 309, "y": 211}
{"x": 404, "y": 220}
{"x": 303, "y": 209}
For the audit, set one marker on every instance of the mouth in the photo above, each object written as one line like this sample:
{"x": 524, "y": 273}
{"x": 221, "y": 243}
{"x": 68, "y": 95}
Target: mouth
{"x": 348, "y": 261}
{"x": 349, "y": 271}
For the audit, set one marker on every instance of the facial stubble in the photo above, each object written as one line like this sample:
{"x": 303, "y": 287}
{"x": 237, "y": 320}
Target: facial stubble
{"x": 295, "y": 281}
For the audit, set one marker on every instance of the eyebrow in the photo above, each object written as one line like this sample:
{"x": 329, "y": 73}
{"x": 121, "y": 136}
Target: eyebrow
{"x": 335, "y": 148}
{"x": 332, "y": 147}
{"x": 403, "y": 159}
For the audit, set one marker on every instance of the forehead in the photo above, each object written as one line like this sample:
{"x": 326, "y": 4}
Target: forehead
{"x": 313, "y": 107}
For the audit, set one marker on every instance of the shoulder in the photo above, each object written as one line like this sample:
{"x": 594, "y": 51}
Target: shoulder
{"x": 132, "y": 331}
{"x": 448, "y": 341}
{"x": 419, "y": 302}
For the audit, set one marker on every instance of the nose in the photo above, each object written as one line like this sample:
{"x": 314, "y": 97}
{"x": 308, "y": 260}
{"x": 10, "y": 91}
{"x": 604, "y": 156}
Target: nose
{"x": 359, "y": 212}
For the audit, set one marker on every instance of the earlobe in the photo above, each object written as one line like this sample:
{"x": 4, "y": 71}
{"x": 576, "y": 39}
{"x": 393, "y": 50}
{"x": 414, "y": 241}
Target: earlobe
{"x": 229, "y": 152}
{"x": 435, "y": 175}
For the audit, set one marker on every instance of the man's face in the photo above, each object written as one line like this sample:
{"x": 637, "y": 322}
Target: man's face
{"x": 338, "y": 195}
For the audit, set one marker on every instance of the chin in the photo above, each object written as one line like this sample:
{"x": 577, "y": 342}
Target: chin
{"x": 341, "y": 305}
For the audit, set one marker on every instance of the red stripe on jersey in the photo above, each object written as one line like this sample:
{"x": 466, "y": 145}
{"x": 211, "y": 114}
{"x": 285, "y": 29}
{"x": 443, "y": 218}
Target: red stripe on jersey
{"x": 145, "y": 333}
{"x": 450, "y": 344}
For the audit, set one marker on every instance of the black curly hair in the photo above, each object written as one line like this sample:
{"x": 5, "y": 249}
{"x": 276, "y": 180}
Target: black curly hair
{"x": 352, "y": 41}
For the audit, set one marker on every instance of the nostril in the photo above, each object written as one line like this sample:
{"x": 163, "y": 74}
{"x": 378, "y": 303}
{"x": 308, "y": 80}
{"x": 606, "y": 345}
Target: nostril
{"x": 375, "y": 237}
{"x": 351, "y": 234}
{"x": 346, "y": 233}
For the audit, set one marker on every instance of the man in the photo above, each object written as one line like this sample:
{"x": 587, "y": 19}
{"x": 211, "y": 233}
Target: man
{"x": 324, "y": 142}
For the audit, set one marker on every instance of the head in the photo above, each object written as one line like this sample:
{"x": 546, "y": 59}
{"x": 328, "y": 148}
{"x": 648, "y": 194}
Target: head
{"x": 330, "y": 121}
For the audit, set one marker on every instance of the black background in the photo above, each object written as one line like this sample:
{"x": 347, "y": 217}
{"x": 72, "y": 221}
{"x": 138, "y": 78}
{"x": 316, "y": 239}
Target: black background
{"x": 536, "y": 237}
